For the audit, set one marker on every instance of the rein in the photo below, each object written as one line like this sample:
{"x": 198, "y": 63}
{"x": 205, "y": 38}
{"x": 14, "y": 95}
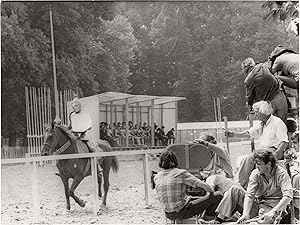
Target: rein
{"x": 63, "y": 148}
{"x": 60, "y": 150}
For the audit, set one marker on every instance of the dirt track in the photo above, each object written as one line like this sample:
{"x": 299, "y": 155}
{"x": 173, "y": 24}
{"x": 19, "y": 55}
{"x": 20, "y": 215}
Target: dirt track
{"x": 125, "y": 204}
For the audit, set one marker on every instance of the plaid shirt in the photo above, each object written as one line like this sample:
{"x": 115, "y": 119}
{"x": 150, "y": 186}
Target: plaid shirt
{"x": 171, "y": 187}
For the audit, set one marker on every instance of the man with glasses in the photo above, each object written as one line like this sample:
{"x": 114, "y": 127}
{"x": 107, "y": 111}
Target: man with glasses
{"x": 272, "y": 133}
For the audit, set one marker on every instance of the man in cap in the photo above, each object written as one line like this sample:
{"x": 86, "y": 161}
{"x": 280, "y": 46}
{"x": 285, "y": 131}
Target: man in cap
{"x": 261, "y": 85}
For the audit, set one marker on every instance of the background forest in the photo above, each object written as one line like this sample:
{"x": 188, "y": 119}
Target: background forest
{"x": 189, "y": 49}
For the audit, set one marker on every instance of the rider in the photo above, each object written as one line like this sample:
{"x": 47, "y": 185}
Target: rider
{"x": 80, "y": 122}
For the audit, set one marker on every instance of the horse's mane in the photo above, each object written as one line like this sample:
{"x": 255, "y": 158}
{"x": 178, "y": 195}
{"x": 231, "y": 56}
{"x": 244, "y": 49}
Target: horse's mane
{"x": 103, "y": 144}
{"x": 66, "y": 131}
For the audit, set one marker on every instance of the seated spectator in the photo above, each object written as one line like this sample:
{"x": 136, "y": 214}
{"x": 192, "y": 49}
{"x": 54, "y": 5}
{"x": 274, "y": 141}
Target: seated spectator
{"x": 171, "y": 136}
{"x": 220, "y": 159}
{"x": 171, "y": 184}
{"x": 162, "y": 138}
{"x": 272, "y": 133}
{"x": 268, "y": 193}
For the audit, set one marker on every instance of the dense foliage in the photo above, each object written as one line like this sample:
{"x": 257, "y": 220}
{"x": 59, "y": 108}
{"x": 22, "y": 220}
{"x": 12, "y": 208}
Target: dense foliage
{"x": 189, "y": 49}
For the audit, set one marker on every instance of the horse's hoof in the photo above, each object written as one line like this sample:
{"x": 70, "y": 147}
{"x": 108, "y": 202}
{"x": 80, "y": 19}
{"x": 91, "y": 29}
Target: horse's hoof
{"x": 82, "y": 204}
{"x": 65, "y": 212}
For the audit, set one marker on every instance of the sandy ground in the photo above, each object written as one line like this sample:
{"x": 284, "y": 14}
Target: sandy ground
{"x": 125, "y": 203}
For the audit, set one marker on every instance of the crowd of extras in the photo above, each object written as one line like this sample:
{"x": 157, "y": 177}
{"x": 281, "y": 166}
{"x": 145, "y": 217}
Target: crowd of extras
{"x": 265, "y": 188}
{"x": 138, "y": 134}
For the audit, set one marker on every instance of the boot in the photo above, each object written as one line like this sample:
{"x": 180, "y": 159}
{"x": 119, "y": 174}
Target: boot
{"x": 92, "y": 149}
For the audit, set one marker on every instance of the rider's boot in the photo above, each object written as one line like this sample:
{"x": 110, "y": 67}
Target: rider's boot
{"x": 92, "y": 149}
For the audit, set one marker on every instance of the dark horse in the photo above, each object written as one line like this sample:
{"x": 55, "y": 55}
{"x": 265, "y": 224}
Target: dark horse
{"x": 58, "y": 140}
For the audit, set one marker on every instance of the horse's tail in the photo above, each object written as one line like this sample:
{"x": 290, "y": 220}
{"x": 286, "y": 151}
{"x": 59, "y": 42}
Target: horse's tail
{"x": 115, "y": 164}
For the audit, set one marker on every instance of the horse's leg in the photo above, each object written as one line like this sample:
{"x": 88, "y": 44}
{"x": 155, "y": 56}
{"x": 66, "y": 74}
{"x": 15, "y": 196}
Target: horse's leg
{"x": 99, "y": 176}
{"x": 66, "y": 186}
{"x": 76, "y": 182}
{"x": 106, "y": 170}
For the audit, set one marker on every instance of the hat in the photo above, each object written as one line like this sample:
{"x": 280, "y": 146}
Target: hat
{"x": 249, "y": 62}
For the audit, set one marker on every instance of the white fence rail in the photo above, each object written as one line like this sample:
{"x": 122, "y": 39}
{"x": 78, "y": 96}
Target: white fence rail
{"x": 93, "y": 156}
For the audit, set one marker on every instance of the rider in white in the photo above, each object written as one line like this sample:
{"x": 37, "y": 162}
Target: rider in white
{"x": 80, "y": 122}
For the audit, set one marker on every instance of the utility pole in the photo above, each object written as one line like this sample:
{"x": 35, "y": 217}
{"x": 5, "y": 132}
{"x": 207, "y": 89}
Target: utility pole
{"x": 57, "y": 119}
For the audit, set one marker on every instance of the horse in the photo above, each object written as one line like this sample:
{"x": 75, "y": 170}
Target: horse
{"x": 59, "y": 140}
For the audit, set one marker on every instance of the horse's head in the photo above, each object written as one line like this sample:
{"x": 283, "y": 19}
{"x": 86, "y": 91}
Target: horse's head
{"x": 51, "y": 141}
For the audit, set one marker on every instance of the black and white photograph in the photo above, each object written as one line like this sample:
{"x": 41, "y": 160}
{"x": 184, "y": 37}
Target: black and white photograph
{"x": 150, "y": 112}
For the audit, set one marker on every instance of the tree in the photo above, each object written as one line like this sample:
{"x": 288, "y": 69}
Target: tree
{"x": 23, "y": 62}
{"x": 286, "y": 12}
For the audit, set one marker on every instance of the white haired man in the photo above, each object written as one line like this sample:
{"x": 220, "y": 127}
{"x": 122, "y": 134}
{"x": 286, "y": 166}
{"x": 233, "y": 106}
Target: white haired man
{"x": 261, "y": 85}
{"x": 272, "y": 133}
{"x": 80, "y": 122}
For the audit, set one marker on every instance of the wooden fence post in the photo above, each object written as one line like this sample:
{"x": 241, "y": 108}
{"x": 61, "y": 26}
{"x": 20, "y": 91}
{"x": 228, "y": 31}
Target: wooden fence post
{"x": 95, "y": 183}
{"x": 146, "y": 177}
{"x": 226, "y": 130}
{"x": 35, "y": 193}
{"x": 251, "y": 117}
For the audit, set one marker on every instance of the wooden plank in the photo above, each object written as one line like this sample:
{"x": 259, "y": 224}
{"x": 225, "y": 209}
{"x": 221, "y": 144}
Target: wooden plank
{"x": 187, "y": 156}
{"x": 111, "y": 114}
{"x": 175, "y": 122}
{"x": 152, "y": 123}
{"x": 35, "y": 193}
{"x": 95, "y": 183}
{"x": 251, "y": 117}
{"x": 146, "y": 178}
{"x": 82, "y": 155}
{"x": 126, "y": 123}
{"x": 161, "y": 115}
{"x": 226, "y": 130}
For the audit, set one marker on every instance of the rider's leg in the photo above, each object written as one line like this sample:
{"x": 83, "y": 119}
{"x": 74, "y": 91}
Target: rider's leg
{"x": 92, "y": 148}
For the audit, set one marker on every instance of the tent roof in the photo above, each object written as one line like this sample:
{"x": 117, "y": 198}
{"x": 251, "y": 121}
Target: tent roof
{"x": 144, "y": 100}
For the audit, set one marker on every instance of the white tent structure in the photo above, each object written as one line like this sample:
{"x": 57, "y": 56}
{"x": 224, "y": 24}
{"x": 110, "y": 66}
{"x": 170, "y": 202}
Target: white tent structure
{"x": 116, "y": 107}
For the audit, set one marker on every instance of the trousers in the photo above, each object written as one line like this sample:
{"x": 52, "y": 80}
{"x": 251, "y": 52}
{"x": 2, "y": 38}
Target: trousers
{"x": 191, "y": 208}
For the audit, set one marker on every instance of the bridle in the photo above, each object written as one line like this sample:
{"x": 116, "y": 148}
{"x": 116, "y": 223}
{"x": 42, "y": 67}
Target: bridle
{"x": 61, "y": 149}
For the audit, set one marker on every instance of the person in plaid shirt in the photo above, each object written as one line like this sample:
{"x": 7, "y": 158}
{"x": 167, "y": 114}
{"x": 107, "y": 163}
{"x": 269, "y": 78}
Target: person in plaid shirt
{"x": 171, "y": 184}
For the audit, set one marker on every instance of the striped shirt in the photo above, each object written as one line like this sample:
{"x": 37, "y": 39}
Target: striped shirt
{"x": 171, "y": 187}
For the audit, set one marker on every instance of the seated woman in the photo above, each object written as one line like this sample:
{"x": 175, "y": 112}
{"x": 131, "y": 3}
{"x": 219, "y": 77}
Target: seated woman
{"x": 171, "y": 184}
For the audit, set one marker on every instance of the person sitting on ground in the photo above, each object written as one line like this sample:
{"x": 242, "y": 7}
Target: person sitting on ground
{"x": 261, "y": 85}
{"x": 272, "y": 133}
{"x": 268, "y": 193}
{"x": 171, "y": 184}
{"x": 171, "y": 136}
{"x": 219, "y": 182}
{"x": 220, "y": 159}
